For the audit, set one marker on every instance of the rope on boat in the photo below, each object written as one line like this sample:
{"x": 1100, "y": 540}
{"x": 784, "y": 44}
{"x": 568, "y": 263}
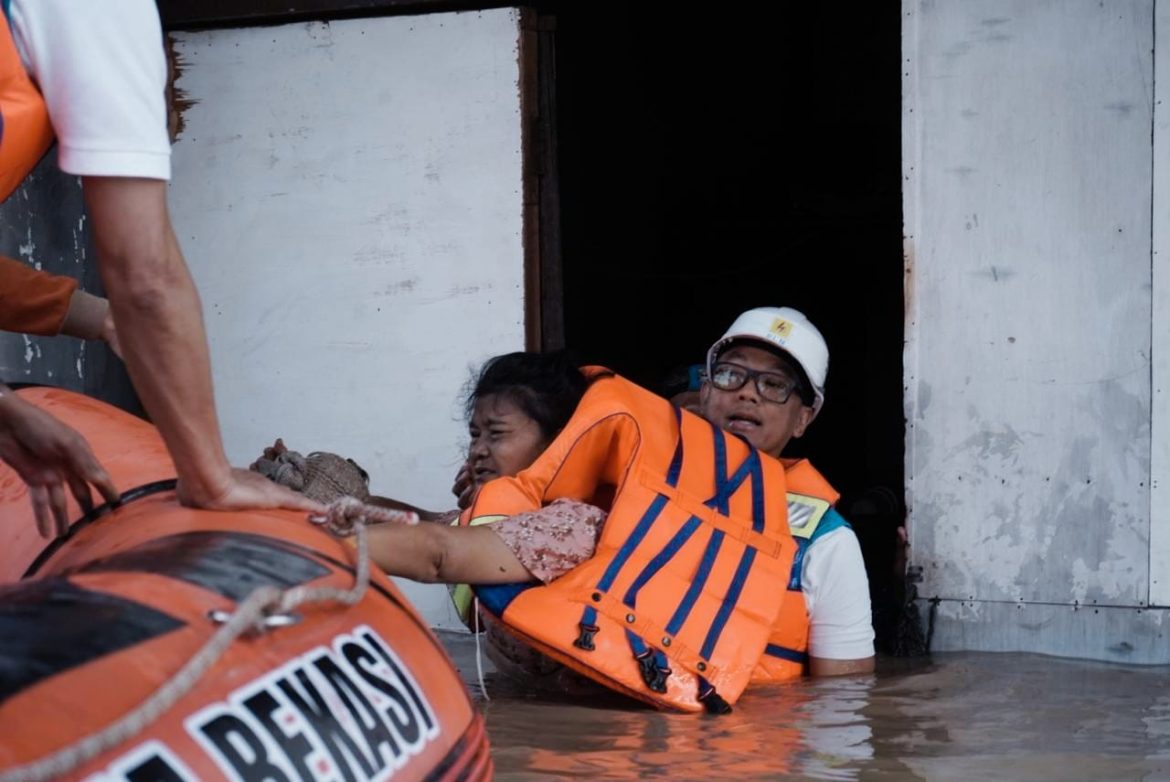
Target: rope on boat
{"x": 346, "y": 513}
{"x": 478, "y": 656}
{"x": 258, "y": 613}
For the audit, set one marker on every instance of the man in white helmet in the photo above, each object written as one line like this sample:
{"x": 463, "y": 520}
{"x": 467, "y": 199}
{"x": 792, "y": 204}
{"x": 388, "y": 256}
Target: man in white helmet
{"x": 766, "y": 382}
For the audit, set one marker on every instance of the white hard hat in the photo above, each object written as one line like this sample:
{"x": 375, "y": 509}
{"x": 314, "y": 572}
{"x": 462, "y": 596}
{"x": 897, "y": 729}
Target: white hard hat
{"x": 786, "y": 329}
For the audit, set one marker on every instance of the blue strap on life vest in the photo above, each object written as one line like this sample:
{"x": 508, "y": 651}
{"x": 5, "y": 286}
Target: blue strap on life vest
{"x": 652, "y": 663}
{"x": 588, "y": 623}
{"x": 731, "y": 598}
{"x": 697, "y": 583}
{"x": 725, "y": 487}
{"x": 497, "y": 597}
{"x": 677, "y": 541}
{"x": 784, "y": 653}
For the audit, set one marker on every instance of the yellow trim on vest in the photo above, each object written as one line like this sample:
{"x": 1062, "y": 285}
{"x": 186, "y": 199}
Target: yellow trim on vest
{"x": 489, "y": 519}
{"x": 461, "y": 594}
{"x": 805, "y": 513}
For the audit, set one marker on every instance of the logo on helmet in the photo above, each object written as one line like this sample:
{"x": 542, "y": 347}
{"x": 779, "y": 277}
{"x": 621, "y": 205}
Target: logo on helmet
{"x": 781, "y": 328}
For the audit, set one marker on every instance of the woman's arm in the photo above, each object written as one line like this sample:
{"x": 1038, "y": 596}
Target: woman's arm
{"x": 437, "y": 553}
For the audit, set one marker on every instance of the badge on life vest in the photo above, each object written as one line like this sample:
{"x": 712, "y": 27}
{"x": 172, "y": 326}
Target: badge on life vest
{"x": 805, "y": 514}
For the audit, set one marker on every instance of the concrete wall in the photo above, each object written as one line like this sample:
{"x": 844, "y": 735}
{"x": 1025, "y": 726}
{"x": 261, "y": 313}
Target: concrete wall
{"x": 1160, "y": 333}
{"x": 348, "y": 196}
{"x": 1029, "y": 188}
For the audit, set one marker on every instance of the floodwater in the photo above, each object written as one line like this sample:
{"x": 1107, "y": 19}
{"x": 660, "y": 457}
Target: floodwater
{"x": 953, "y": 716}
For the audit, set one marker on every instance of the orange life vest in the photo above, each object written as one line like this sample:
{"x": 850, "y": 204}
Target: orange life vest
{"x": 680, "y": 597}
{"x": 25, "y": 132}
{"x": 810, "y": 514}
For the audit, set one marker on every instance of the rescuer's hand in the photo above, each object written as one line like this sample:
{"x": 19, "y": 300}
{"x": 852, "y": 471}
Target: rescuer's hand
{"x": 244, "y": 490}
{"x": 49, "y": 456}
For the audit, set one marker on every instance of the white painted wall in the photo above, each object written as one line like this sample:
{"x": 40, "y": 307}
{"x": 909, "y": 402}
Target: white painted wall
{"x": 1160, "y": 333}
{"x": 1029, "y": 185}
{"x": 348, "y": 196}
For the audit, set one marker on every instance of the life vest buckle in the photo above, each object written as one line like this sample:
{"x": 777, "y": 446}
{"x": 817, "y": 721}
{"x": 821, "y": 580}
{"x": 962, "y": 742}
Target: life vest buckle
{"x": 585, "y": 639}
{"x": 712, "y": 701}
{"x": 652, "y": 674}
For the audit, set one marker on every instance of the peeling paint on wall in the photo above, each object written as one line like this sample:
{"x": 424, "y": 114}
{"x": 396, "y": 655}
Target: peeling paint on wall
{"x": 353, "y": 218}
{"x": 1028, "y": 200}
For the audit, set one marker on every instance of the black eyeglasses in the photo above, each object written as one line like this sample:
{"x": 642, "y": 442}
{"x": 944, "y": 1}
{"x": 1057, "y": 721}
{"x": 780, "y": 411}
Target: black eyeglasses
{"x": 773, "y": 386}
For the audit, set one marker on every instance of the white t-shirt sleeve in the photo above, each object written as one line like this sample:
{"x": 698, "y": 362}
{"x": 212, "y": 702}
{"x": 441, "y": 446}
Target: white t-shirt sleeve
{"x": 836, "y": 592}
{"x": 100, "y": 66}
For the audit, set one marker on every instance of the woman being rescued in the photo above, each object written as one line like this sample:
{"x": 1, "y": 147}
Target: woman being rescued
{"x": 517, "y": 405}
{"x": 687, "y": 591}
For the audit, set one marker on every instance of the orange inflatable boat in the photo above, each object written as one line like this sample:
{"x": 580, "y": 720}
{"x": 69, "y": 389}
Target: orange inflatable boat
{"x": 96, "y": 624}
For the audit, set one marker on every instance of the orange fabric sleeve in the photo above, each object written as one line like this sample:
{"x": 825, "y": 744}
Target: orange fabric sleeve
{"x": 32, "y": 301}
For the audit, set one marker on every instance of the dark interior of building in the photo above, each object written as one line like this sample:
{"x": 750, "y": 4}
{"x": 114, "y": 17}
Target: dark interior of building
{"x": 713, "y": 161}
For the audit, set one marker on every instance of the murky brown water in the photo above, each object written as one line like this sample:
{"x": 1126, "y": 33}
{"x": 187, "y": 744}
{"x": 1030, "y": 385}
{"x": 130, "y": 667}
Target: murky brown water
{"x": 956, "y": 717}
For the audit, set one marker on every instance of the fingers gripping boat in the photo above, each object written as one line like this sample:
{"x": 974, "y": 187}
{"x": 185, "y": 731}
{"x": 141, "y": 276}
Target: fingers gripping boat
{"x": 94, "y": 625}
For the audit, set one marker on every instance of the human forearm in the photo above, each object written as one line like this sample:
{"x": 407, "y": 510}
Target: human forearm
{"x": 160, "y": 326}
{"x": 408, "y": 551}
{"x": 36, "y": 302}
{"x": 434, "y": 553}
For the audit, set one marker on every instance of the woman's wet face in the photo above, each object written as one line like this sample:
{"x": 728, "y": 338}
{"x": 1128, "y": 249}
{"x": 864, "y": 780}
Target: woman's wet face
{"x": 504, "y": 440}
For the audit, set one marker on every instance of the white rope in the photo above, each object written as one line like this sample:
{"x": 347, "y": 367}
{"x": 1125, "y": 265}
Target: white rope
{"x": 252, "y": 614}
{"x": 346, "y": 513}
{"x": 478, "y": 657}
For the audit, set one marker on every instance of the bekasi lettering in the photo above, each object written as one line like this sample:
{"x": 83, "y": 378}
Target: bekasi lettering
{"x": 349, "y": 712}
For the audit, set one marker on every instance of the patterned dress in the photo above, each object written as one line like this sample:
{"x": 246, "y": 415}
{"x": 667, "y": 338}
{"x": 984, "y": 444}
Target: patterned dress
{"x": 549, "y": 542}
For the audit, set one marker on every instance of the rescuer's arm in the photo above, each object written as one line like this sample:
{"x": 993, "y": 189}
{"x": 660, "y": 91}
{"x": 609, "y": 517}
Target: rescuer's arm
{"x": 37, "y": 302}
{"x": 160, "y": 326}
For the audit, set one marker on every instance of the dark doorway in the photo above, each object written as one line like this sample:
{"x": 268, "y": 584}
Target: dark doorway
{"x": 726, "y": 158}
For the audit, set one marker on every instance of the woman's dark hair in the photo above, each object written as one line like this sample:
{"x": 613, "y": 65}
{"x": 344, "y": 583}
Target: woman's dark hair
{"x": 545, "y": 386}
